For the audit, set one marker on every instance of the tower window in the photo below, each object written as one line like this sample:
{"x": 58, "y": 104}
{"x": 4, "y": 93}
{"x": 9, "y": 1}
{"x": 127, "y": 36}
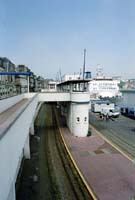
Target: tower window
{"x": 78, "y": 119}
{"x": 85, "y": 119}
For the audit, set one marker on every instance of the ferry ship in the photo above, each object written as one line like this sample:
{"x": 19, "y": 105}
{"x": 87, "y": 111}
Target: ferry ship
{"x": 103, "y": 87}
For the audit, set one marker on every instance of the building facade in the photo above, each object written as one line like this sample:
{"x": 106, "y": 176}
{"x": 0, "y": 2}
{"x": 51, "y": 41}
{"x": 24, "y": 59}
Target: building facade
{"x": 7, "y": 82}
{"x": 11, "y": 85}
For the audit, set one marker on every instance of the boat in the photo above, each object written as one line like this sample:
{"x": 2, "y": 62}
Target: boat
{"x": 103, "y": 87}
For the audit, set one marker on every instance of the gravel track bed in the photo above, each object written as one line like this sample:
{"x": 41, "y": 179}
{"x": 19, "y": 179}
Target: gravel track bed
{"x": 49, "y": 174}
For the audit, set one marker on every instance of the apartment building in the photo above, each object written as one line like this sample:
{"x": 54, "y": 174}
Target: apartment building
{"x": 16, "y": 84}
{"x": 7, "y": 82}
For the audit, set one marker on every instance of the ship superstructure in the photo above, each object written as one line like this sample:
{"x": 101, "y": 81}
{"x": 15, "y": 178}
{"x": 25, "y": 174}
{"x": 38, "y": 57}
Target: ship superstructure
{"x": 103, "y": 87}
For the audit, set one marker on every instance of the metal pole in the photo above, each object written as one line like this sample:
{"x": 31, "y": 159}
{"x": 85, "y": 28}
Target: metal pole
{"x": 84, "y": 63}
{"x": 28, "y": 83}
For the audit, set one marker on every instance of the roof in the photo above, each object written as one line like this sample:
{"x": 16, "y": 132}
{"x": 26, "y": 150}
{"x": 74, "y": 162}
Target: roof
{"x": 74, "y": 81}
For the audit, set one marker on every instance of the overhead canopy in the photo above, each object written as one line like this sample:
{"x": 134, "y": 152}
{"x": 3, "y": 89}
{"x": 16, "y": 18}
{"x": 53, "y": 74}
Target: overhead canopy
{"x": 16, "y": 73}
{"x": 74, "y": 81}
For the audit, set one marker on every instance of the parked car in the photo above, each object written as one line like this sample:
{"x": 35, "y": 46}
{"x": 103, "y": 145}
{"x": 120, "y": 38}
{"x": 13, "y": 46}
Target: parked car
{"x": 106, "y": 112}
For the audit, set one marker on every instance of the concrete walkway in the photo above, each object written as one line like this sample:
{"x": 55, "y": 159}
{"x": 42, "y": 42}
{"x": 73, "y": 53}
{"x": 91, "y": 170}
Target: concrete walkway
{"x": 110, "y": 175}
{"x": 121, "y": 131}
{"x": 8, "y": 116}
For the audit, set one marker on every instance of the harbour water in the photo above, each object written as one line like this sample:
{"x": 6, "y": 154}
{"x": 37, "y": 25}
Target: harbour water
{"x": 128, "y": 99}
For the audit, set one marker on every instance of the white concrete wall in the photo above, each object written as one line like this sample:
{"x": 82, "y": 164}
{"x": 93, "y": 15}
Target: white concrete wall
{"x": 80, "y": 97}
{"x": 11, "y": 150}
{"x": 78, "y": 111}
{"x": 29, "y": 95}
{"x": 7, "y": 103}
{"x": 50, "y": 97}
{"x": 12, "y": 195}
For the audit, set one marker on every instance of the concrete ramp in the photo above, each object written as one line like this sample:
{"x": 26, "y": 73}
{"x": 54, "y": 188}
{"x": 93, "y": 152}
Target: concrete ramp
{"x": 14, "y": 141}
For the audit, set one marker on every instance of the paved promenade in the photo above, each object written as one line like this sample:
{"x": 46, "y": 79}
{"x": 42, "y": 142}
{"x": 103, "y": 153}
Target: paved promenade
{"x": 110, "y": 175}
{"x": 9, "y": 115}
{"x": 121, "y": 131}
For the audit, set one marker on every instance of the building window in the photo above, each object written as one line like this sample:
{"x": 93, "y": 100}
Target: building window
{"x": 85, "y": 119}
{"x": 78, "y": 120}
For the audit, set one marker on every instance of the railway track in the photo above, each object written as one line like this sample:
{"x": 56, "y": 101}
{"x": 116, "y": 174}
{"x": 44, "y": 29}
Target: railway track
{"x": 69, "y": 185}
{"x": 120, "y": 140}
{"x": 56, "y": 176}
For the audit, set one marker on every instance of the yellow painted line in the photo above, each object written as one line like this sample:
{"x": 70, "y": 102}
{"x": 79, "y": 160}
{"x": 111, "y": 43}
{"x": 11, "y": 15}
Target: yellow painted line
{"x": 112, "y": 144}
{"x": 75, "y": 165}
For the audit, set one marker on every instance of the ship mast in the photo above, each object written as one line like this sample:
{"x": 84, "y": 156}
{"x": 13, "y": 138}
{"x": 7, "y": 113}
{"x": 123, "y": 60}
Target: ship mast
{"x": 99, "y": 71}
{"x": 84, "y": 63}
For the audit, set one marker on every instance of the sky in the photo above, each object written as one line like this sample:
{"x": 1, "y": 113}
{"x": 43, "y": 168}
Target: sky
{"x": 49, "y": 35}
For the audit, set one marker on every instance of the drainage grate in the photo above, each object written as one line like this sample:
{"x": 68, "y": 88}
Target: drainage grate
{"x": 98, "y": 151}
